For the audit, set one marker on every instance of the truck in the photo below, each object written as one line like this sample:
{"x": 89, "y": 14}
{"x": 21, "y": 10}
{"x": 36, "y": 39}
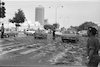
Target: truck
{"x": 68, "y": 38}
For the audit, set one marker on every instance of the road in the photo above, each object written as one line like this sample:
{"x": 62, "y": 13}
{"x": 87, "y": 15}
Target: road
{"x": 27, "y": 52}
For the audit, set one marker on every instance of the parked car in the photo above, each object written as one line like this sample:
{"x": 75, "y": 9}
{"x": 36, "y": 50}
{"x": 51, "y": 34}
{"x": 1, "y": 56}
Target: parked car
{"x": 83, "y": 33}
{"x": 40, "y": 35}
{"x": 10, "y": 33}
{"x": 58, "y": 34}
{"x": 70, "y": 38}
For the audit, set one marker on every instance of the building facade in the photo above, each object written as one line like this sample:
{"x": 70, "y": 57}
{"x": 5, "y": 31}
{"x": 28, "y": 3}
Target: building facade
{"x": 39, "y": 14}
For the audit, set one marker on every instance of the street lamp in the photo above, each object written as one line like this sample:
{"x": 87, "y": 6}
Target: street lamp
{"x": 56, "y": 13}
{"x": 28, "y": 24}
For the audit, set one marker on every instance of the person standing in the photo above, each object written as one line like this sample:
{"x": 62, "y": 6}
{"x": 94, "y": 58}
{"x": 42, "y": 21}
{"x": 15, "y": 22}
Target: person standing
{"x": 54, "y": 34}
{"x": 93, "y": 46}
{"x": 2, "y": 31}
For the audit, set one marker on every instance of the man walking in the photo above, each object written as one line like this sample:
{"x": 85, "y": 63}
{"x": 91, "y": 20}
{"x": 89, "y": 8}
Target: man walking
{"x": 53, "y": 34}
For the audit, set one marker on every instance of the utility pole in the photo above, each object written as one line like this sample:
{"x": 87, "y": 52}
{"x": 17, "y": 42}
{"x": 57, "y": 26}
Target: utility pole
{"x": 56, "y": 12}
{"x": 28, "y": 24}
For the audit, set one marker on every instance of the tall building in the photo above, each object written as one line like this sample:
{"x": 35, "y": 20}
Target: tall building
{"x": 45, "y": 21}
{"x": 39, "y": 14}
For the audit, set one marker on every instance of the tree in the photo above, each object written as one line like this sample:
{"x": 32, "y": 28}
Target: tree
{"x": 63, "y": 29}
{"x": 85, "y": 25}
{"x": 18, "y": 18}
{"x": 2, "y": 10}
{"x": 52, "y": 27}
{"x": 56, "y": 25}
{"x": 48, "y": 26}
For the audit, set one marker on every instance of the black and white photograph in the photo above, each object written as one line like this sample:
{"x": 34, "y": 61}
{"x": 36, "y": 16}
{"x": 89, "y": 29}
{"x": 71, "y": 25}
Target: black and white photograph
{"x": 49, "y": 33}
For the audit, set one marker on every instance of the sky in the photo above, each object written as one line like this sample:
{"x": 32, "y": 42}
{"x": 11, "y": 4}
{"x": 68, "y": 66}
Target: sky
{"x": 73, "y": 12}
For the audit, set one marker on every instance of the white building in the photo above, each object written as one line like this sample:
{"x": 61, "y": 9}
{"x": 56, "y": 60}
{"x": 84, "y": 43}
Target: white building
{"x": 39, "y": 14}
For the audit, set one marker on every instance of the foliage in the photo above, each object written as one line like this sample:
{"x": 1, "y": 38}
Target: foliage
{"x": 85, "y": 25}
{"x": 63, "y": 29}
{"x": 48, "y": 26}
{"x": 18, "y": 18}
{"x": 51, "y": 27}
{"x": 56, "y": 25}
